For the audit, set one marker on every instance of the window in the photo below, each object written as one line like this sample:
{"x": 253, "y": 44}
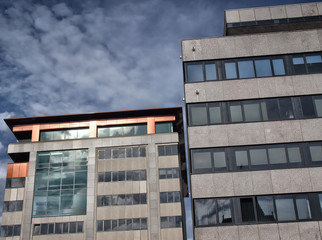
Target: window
{"x": 123, "y": 199}
{"x": 168, "y": 173}
{"x": 163, "y": 127}
{"x": 122, "y": 224}
{"x": 171, "y": 222}
{"x": 58, "y": 228}
{"x": 15, "y": 182}
{"x": 168, "y": 150}
{"x": 212, "y": 211}
{"x": 10, "y": 230}
{"x": 135, "y": 175}
{"x": 271, "y": 156}
{"x": 169, "y": 197}
{"x": 114, "y": 153}
{"x": 12, "y": 206}
{"x": 253, "y": 67}
{"x": 272, "y": 109}
{"x": 118, "y": 131}
{"x": 60, "y": 183}
{"x": 50, "y": 135}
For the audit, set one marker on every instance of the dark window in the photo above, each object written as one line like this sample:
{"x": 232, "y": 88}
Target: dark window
{"x": 163, "y": 127}
{"x": 247, "y": 209}
{"x": 171, "y": 222}
{"x": 168, "y": 173}
{"x": 208, "y": 160}
{"x": 168, "y": 150}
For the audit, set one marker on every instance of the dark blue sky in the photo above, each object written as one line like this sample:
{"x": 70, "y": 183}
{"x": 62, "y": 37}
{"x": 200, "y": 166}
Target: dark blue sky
{"x": 62, "y": 57}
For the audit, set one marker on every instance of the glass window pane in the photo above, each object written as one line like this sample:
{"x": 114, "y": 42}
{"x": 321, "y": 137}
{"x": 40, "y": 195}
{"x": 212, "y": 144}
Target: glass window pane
{"x": 241, "y": 159}
{"x": 224, "y": 211}
{"x": 230, "y": 70}
{"x": 81, "y": 178}
{"x": 205, "y": 212}
{"x": 215, "y": 113}
{"x": 247, "y": 209}
{"x": 318, "y": 106}
{"x": 258, "y": 156}
{"x": 99, "y": 226}
{"x": 252, "y": 111}
{"x": 107, "y": 176}
{"x": 246, "y": 69}
{"x": 316, "y": 153}
{"x": 198, "y": 114}
{"x": 270, "y": 110}
{"x": 303, "y": 207}
{"x": 194, "y": 73}
{"x": 72, "y": 227}
{"x": 298, "y": 65}
{"x": 286, "y": 108}
{"x": 144, "y": 223}
{"x": 211, "y": 72}
{"x": 107, "y": 225}
{"x": 235, "y": 112}
{"x": 307, "y": 106}
{"x": 263, "y": 68}
{"x": 265, "y": 209}
{"x": 79, "y": 226}
{"x": 314, "y": 63}
{"x": 36, "y": 229}
{"x": 219, "y": 159}
{"x": 294, "y": 155}
{"x": 201, "y": 160}
{"x": 16, "y": 230}
{"x": 277, "y": 155}
{"x": 58, "y": 228}
{"x": 285, "y": 208}
{"x": 141, "y": 129}
{"x": 278, "y": 66}
{"x": 163, "y": 127}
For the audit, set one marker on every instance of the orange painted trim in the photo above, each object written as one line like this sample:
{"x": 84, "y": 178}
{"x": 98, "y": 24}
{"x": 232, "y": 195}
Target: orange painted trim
{"x": 17, "y": 170}
{"x": 92, "y": 125}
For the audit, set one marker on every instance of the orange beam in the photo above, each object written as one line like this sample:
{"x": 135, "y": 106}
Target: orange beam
{"x": 17, "y": 170}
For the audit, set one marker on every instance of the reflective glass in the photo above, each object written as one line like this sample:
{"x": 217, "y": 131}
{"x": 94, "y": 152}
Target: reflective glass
{"x": 246, "y": 69}
{"x": 230, "y": 70}
{"x": 285, "y": 208}
{"x": 241, "y": 158}
{"x": 198, "y": 114}
{"x": 163, "y": 127}
{"x": 263, "y": 68}
{"x": 144, "y": 223}
{"x": 303, "y": 207}
{"x": 298, "y": 65}
{"x": 16, "y": 230}
{"x": 278, "y": 66}
{"x": 214, "y": 113}
{"x": 316, "y": 153}
{"x": 247, "y": 209}
{"x": 277, "y": 155}
{"x": 99, "y": 226}
{"x": 211, "y": 72}
{"x": 270, "y": 109}
{"x": 258, "y": 156}
{"x": 205, "y": 212}
{"x": 236, "y": 112}
{"x": 252, "y": 111}
{"x": 107, "y": 225}
{"x": 219, "y": 159}
{"x": 314, "y": 63}
{"x": 286, "y": 108}
{"x": 307, "y": 107}
{"x": 294, "y": 154}
{"x": 224, "y": 211}
{"x": 201, "y": 160}
{"x": 128, "y": 130}
{"x": 318, "y": 106}
{"x": 265, "y": 209}
{"x": 194, "y": 72}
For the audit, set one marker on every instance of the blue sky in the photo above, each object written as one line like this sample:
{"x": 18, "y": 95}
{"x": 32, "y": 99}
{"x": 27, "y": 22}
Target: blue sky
{"x": 71, "y": 56}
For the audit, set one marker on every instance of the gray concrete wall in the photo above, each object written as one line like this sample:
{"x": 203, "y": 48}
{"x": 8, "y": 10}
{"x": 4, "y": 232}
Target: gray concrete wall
{"x": 252, "y": 45}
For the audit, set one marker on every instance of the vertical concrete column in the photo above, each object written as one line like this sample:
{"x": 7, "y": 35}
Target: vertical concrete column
{"x": 153, "y": 192}
{"x": 90, "y": 205}
{"x": 28, "y": 199}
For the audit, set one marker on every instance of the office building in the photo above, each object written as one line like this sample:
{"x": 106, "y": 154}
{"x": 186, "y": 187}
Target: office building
{"x": 107, "y": 175}
{"x": 254, "y": 107}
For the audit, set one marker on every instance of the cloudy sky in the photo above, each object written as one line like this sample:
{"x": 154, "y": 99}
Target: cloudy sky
{"x": 71, "y": 56}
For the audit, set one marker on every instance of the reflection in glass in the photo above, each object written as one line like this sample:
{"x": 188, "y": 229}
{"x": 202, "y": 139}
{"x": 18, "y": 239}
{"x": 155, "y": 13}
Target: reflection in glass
{"x": 252, "y": 111}
{"x": 235, "y": 112}
{"x": 246, "y": 69}
{"x": 205, "y": 212}
{"x": 263, "y": 68}
{"x": 258, "y": 156}
{"x": 241, "y": 158}
{"x": 270, "y": 109}
{"x": 163, "y": 127}
{"x": 314, "y": 63}
{"x": 224, "y": 211}
{"x": 211, "y": 72}
{"x": 214, "y": 113}
{"x": 294, "y": 154}
{"x": 219, "y": 159}
{"x": 277, "y": 155}
{"x": 318, "y": 106}
{"x": 286, "y": 108}
{"x": 230, "y": 70}
{"x": 194, "y": 73}
{"x": 316, "y": 153}
{"x": 303, "y": 207}
{"x": 265, "y": 209}
{"x": 285, "y": 208}
{"x": 298, "y": 65}
{"x": 201, "y": 160}
{"x": 198, "y": 114}
{"x": 278, "y": 66}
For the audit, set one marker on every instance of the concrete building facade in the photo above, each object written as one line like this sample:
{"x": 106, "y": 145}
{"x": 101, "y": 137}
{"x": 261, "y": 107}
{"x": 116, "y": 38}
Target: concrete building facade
{"x": 254, "y": 105}
{"x": 110, "y": 175}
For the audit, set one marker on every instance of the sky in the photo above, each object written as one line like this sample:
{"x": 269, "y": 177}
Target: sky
{"x": 71, "y": 56}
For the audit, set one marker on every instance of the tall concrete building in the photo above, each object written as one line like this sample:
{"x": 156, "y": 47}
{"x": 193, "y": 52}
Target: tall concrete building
{"x": 254, "y": 108}
{"x": 109, "y": 175}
